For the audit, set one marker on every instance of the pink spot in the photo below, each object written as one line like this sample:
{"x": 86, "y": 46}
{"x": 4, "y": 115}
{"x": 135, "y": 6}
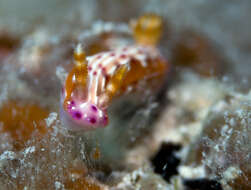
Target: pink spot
{"x": 99, "y": 65}
{"x": 89, "y": 68}
{"x": 104, "y": 71}
{"x": 123, "y": 56}
{"x": 99, "y": 56}
{"x": 94, "y": 73}
{"x": 112, "y": 54}
{"x": 124, "y": 49}
{"x": 94, "y": 108}
{"x": 92, "y": 120}
{"x": 77, "y": 115}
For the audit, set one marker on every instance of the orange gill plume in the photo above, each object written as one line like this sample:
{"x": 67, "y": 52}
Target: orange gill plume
{"x": 147, "y": 29}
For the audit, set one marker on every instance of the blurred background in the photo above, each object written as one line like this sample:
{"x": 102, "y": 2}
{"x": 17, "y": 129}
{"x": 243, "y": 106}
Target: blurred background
{"x": 225, "y": 24}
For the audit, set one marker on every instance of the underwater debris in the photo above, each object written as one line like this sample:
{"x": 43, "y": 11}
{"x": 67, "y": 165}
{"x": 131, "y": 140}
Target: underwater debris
{"x": 142, "y": 178}
{"x": 224, "y": 146}
{"x": 78, "y": 180}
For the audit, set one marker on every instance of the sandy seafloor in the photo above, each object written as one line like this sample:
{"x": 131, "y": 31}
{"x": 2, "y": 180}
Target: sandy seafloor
{"x": 196, "y": 136}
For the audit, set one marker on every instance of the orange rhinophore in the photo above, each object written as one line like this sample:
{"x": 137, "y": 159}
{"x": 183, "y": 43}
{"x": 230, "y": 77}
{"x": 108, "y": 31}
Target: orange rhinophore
{"x": 77, "y": 77}
{"x": 97, "y": 80}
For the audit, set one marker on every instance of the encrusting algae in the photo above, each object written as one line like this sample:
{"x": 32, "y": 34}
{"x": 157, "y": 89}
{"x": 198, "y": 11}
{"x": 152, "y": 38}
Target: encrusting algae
{"x": 23, "y": 121}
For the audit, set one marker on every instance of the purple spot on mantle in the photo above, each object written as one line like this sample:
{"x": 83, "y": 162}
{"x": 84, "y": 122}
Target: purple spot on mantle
{"x": 72, "y": 102}
{"x": 92, "y": 120}
{"x": 77, "y": 115}
{"x": 94, "y": 108}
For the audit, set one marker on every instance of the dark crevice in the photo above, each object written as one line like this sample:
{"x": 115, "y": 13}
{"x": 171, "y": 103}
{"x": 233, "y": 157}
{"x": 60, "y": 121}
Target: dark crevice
{"x": 201, "y": 184}
{"x": 165, "y": 162}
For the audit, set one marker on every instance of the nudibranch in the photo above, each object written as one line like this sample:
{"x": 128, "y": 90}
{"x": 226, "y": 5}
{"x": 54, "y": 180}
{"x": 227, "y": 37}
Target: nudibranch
{"x": 97, "y": 80}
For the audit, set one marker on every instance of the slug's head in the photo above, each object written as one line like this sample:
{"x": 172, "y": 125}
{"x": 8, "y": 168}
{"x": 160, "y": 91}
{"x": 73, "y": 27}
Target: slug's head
{"x": 76, "y": 112}
{"x": 83, "y": 116}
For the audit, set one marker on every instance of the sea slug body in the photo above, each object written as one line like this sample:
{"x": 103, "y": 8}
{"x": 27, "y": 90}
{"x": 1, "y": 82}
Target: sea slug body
{"x": 97, "y": 80}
